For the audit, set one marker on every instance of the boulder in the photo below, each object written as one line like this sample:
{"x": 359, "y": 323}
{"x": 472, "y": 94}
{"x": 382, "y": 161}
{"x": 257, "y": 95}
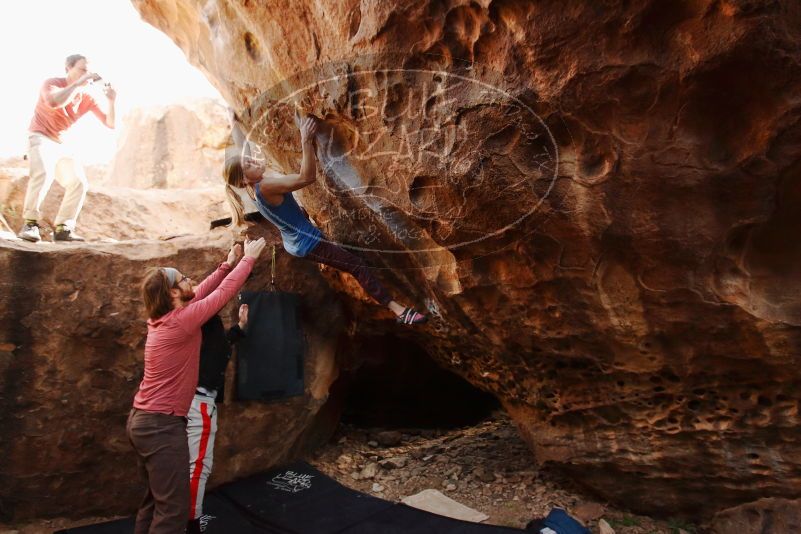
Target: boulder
{"x": 177, "y": 146}
{"x": 72, "y": 333}
{"x": 763, "y": 516}
{"x": 389, "y": 438}
{"x": 595, "y": 202}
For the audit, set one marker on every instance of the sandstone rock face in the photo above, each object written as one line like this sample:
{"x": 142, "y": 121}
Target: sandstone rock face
{"x": 113, "y": 213}
{"x": 171, "y": 146}
{"x": 597, "y": 199}
{"x": 72, "y": 334}
{"x": 762, "y": 516}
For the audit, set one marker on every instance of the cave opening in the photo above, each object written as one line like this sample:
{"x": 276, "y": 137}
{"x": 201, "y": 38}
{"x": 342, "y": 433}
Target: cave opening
{"x": 394, "y": 383}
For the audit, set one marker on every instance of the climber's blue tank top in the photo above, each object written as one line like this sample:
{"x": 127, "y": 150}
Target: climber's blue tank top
{"x": 298, "y": 234}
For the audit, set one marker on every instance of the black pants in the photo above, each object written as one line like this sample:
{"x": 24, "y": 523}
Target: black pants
{"x": 343, "y": 260}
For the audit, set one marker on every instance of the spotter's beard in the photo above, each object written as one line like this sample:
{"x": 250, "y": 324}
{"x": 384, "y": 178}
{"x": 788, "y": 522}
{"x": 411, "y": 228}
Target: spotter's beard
{"x": 187, "y": 296}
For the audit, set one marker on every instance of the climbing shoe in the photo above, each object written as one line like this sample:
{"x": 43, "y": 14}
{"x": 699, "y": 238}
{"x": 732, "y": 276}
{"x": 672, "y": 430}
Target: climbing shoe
{"x": 30, "y": 232}
{"x": 63, "y": 233}
{"x": 411, "y": 316}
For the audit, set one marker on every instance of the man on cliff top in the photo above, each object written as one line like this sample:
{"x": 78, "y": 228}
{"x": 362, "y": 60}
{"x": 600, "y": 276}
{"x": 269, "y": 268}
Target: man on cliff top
{"x": 62, "y": 101}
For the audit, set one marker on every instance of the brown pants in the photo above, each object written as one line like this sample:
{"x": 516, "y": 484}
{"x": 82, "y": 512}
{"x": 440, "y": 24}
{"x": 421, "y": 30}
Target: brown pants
{"x": 342, "y": 260}
{"x": 163, "y": 454}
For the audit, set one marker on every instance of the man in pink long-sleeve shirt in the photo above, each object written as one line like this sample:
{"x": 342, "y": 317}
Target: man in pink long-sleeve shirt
{"x": 157, "y": 426}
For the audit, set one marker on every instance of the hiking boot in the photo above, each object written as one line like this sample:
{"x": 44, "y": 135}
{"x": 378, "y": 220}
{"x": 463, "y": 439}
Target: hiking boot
{"x": 65, "y": 234}
{"x": 30, "y": 232}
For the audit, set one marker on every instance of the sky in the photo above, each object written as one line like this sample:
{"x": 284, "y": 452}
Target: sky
{"x": 143, "y": 64}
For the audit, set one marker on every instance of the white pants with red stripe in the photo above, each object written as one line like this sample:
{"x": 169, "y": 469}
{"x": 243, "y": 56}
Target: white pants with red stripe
{"x": 201, "y": 428}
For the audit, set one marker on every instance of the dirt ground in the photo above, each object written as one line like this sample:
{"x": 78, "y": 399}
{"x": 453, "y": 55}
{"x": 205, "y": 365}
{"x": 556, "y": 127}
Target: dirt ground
{"x": 486, "y": 467}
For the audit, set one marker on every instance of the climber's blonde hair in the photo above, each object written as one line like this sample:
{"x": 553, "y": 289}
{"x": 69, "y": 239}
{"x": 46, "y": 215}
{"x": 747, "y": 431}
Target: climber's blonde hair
{"x": 235, "y": 177}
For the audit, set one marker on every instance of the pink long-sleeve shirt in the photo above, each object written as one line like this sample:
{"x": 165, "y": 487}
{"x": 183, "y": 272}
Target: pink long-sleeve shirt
{"x": 172, "y": 349}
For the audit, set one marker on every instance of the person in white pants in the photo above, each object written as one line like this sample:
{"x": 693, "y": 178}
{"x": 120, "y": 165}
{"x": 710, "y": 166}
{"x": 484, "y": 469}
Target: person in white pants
{"x": 201, "y": 427}
{"x": 61, "y": 102}
{"x": 51, "y": 161}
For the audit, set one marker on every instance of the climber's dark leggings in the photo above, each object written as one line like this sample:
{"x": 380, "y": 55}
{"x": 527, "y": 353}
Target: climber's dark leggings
{"x": 343, "y": 260}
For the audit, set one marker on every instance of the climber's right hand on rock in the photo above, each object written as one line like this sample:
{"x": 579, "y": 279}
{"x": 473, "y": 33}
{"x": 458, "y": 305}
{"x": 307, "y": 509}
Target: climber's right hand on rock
{"x": 308, "y": 127}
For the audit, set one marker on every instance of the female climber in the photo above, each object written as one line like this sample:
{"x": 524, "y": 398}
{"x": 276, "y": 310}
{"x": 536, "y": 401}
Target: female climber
{"x": 272, "y": 193}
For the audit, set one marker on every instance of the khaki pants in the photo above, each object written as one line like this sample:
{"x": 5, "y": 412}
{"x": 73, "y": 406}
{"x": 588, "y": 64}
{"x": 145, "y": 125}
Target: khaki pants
{"x": 51, "y": 161}
{"x": 163, "y": 454}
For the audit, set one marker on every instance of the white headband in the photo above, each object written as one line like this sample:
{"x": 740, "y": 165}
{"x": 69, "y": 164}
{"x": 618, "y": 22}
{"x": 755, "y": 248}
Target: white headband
{"x": 171, "y": 274}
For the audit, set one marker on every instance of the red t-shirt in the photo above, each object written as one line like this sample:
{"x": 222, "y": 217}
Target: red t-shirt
{"x": 52, "y": 121}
